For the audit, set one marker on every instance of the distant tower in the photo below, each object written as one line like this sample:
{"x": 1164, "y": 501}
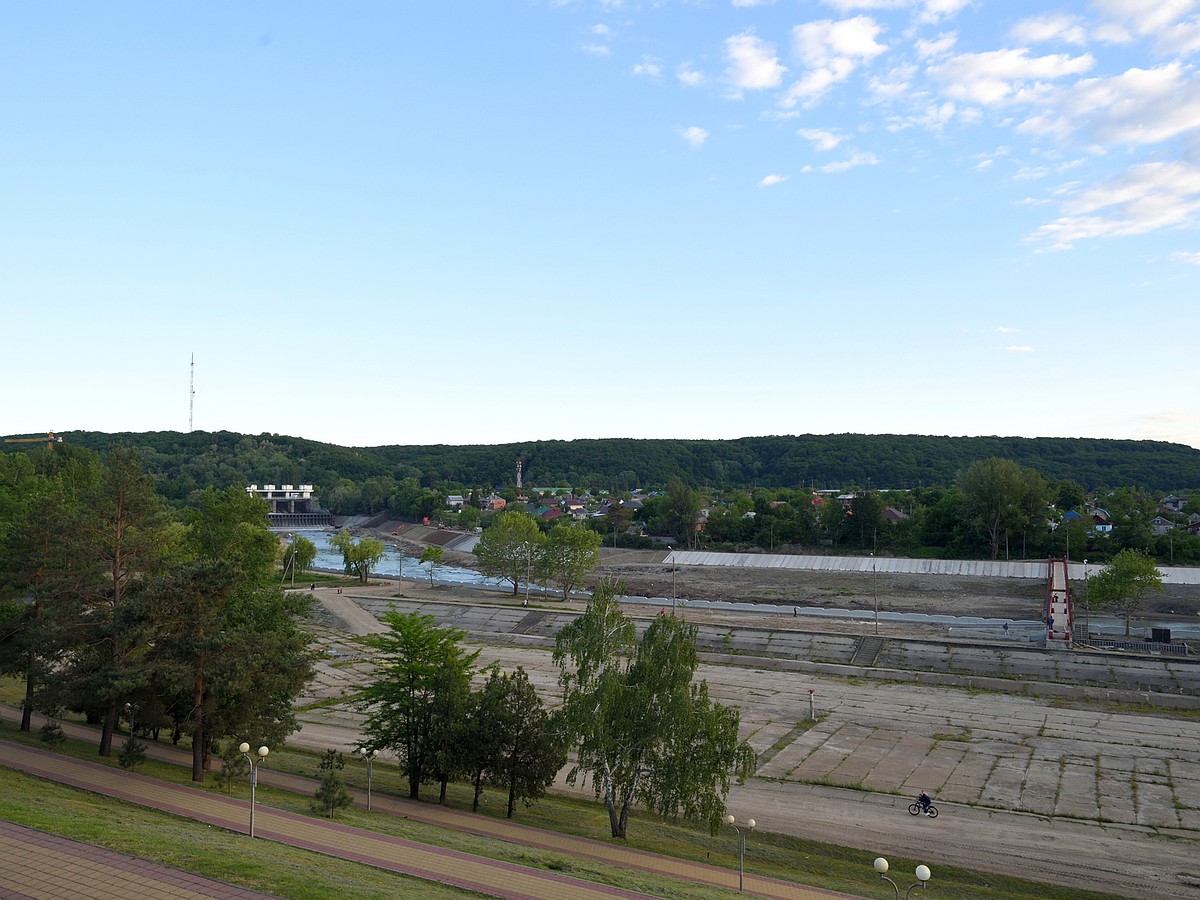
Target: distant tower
{"x": 520, "y": 493}
{"x": 192, "y": 393}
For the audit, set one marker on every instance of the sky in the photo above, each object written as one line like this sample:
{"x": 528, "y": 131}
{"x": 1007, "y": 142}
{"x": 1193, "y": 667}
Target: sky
{"x": 502, "y": 221}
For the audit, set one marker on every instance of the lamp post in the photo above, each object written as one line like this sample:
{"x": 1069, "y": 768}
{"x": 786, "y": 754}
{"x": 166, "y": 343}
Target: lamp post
{"x": 254, "y": 764}
{"x": 729, "y": 820}
{"x": 1087, "y": 606}
{"x": 875, "y": 591}
{"x": 131, "y": 710}
{"x": 922, "y": 872}
{"x": 528, "y": 567}
{"x": 369, "y": 757}
{"x": 672, "y": 581}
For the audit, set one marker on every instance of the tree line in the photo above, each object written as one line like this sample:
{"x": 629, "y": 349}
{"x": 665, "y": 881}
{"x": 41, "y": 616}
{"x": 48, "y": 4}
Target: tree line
{"x": 112, "y": 604}
{"x": 640, "y": 727}
{"x": 353, "y": 480}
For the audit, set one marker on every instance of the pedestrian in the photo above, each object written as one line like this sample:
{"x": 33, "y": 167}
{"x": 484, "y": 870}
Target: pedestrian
{"x": 1006, "y": 628}
{"x": 795, "y": 611}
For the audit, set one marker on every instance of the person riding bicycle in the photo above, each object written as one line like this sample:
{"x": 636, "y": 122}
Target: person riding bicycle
{"x": 925, "y": 801}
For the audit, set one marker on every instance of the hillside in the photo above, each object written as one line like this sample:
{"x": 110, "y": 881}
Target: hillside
{"x": 195, "y": 459}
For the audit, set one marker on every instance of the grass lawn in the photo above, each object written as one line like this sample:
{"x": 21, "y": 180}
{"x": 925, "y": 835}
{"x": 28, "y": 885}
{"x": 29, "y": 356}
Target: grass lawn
{"x": 300, "y": 874}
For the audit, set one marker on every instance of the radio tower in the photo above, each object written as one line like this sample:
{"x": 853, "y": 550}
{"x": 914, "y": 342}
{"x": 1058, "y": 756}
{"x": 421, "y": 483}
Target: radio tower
{"x": 192, "y": 393}
{"x": 520, "y": 493}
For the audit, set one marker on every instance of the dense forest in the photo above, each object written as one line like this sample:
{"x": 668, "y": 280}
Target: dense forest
{"x": 183, "y": 462}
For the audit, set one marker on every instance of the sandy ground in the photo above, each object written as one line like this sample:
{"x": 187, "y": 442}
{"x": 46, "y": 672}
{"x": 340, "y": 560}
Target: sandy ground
{"x": 645, "y": 574}
{"x": 1026, "y": 787}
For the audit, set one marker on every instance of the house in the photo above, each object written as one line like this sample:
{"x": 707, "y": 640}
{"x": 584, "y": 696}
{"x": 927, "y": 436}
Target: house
{"x": 1160, "y": 525}
{"x": 1102, "y": 520}
{"x": 891, "y": 514}
{"x": 455, "y": 501}
{"x": 494, "y": 503}
{"x": 1174, "y": 503}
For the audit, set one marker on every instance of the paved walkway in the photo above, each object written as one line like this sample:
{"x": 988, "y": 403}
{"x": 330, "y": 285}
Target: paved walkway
{"x": 492, "y": 877}
{"x": 45, "y": 866}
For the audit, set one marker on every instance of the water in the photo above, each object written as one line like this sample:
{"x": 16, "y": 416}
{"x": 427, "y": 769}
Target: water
{"x": 396, "y": 564}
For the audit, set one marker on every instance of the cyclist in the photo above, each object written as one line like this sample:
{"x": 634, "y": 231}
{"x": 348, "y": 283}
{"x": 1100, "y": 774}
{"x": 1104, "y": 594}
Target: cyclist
{"x": 925, "y": 801}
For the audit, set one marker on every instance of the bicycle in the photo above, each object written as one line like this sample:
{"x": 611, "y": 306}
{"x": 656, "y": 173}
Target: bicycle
{"x": 916, "y": 810}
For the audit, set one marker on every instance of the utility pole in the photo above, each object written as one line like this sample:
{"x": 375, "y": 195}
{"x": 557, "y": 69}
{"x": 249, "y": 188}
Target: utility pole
{"x": 192, "y": 393}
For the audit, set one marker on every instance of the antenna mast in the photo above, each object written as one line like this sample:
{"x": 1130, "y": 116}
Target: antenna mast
{"x": 192, "y": 393}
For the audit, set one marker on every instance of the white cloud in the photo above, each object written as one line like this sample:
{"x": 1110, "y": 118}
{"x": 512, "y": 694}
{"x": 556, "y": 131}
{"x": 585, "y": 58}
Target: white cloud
{"x": 1031, "y": 173}
{"x": 596, "y": 50}
{"x": 893, "y": 84}
{"x": 821, "y": 139}
{"x": 831, "y": 52}
{"x": 1172, "y": 25}
{"x": 852, "y": 162}
{"x": 601, "y": 30}
{"x": 1004, "y": 76}
{"x": 927, "y": 11}
{"x": 1005, "y": 329}
{"x": 934, "y": 11}
{"x": 1140, "y": 106}
{"x": 1192, "y": 259}
{"x": 689, "y": 76}
{"x": 1145, "y": 198}
{"x": 1017, "y": 348}
{"x": 752, "y": 2}
{"x": 695, "y": 136}
{"x": 940, "y": 46}
{"x": 1049, "y": 28}
{"x": 772, "y": 180}
{"x": 753, "y": 64}
{"x": 647, "y": 67}
{"x": 984, "y": 164}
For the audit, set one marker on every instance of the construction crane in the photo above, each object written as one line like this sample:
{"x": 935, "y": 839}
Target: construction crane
{"x": 50, "y": 440}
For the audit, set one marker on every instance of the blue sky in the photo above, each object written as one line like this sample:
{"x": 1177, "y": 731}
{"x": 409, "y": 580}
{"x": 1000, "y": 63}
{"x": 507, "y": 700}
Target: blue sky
{"x": 484, "y": 222}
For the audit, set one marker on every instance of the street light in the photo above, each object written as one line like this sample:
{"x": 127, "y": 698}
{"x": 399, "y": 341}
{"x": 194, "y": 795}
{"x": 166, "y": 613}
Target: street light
{"x": 729, "y": 820}
{"x": 528, "y": 566}
{"x": 672, "y": 581}
{"x": 1087, "y": 606}
{"x": 922, "y": 872}
{"x": 369, "y": 757}
{"x": 875, "y": 591}
{"x": 131, "y": 710}
{"x": 254, "y": 764}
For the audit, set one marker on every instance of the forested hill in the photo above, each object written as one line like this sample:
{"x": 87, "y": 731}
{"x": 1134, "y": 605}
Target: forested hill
{"x": 184, "y": 461}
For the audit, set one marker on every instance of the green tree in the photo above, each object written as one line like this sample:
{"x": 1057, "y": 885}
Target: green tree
{"x": 36, "y": 569}
{"x": 507, "y": 548}
{"x": 423, "y": 674}
{"x": 998, "y": 496}
{"x": 866, "y": 511}
{"x": 569, "y": 554}
{"x": 299, "y": 555}
{"x": 531, "y": 751}
{"x": 331, "y": 794}
{"x": 359, "y": 557}
{"x": 1124, "y": 584}
{"x": 124, "y": 537}
{"x": 618, "y": 519}
{"x": 432, "y": 557}
{"x": 230, "y": 656}
{"x": 641, "y": 729}
{"x": 682, "y": 511}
